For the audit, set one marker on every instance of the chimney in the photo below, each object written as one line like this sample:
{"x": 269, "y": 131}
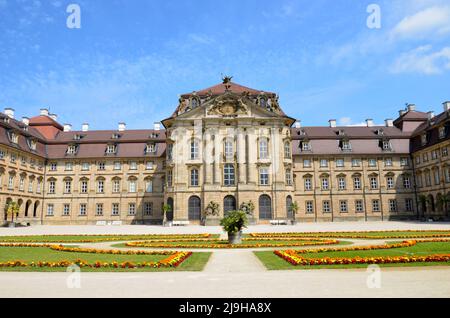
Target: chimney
{"x": 298, "y": 124}
{"x": 67, "y": 127}
{"x": 332, "y": 123}
{"x": 44, "y": 112}
{"x": 157, "y": 126}
{"x": 26, "y": 121}
{"x": 9, "y": 112}
{"x": 369, "y": 122}
{"x": 122, "y": 126}
{"x": 389, "y": 122}
{"x": 85, "y": 127}
{"x": 401, "y": 112}
{"x": 446, "y": 106}
{"x": 411, "y": 107}
{"x": 430, "y": 115}
{"x": 54, "y": 117}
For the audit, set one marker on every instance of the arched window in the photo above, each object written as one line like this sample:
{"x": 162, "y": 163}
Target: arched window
{"x": 148, "y": 185}
{"x": 229, "y": 204}
{"x": 289, "y": 210}
{"x": 194, "y": 178}
{"x": 194, "y": 149}
{"x": 288, "y": 177}
{"x": 265, "y": 207}
{"x": 169, "y": 213}
{"x": 194, "y": 206}
{"x": 287, "y": 150}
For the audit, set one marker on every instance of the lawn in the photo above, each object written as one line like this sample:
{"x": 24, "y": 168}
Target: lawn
{"x": 274, "y": 262}
{"x": 349, "y": 234}
{"x": 195, "y": 262}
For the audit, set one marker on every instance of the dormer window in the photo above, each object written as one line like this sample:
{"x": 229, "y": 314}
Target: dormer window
{"x": 150, "y": 148}
{"x": 305, "y": 145}
{"x": 6, "y": 120}
{"x": 386, "y": 145}
{"x": 301, "y": 132}
{"x": 154, "y": 135}
{"x": 345, "y": 145}
{"x": 195, "y": 102}
{"x": 13, "y": 137}
{"x": 111, "y": 149}
{"x": 340, "y": 132}
{"x": 263, "y": 102}
{"x": 71, "y": 149}
{"x": 32, "y": 144}
{"x": 115, "y": 136}
{"x": 77, "y": 137}
{"x": 442, "y": 132}
{"x": 379, "y": 132}
{"x": 423, "y": 138}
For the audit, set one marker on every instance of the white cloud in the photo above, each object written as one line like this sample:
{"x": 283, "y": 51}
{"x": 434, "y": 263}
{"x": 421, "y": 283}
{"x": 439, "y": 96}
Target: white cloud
{"x": 347, "y": 121}
{"x": 429, "y": 21}
{"x": 423, "y": 60}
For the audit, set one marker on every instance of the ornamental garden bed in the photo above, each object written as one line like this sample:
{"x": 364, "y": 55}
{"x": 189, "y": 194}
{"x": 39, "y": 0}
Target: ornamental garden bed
{"x": 46, "y": 257}
{"x": 430, "y": 252}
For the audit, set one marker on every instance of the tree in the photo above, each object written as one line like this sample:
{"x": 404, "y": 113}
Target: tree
{"x": 166, "y": 208}
{"x": 12, "y": 208}
{"x": 294, "y": 208}
{"x": 443, "y": 201}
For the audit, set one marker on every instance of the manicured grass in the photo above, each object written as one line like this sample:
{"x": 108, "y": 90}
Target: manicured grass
{"x": 349, "y": 234}
{"x": 281, "y": 242}
{"x": 92, "y": 238}
{"x": 274, "y": 262}
{"x": 195, "y": 262}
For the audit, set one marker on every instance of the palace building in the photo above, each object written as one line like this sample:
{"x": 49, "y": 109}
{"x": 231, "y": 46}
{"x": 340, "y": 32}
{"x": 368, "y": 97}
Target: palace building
{"x": 224, "y": 147}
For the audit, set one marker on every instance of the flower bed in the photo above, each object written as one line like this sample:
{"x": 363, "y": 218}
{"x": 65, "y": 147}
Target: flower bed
{"x": 294, "y": 256}
{"x": 174, "y": 258}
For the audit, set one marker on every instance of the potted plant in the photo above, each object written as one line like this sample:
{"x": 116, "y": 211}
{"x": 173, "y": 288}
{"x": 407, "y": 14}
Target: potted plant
{"x": 12, "y": 208}
{"x": 294, "y": 208}
{"x": 248, "y": 208}
{"x": 212, "y": 211}
{"x": 166, "y": 208}
{"x": 233, "y": 223}
{"x": 423, "y": 202}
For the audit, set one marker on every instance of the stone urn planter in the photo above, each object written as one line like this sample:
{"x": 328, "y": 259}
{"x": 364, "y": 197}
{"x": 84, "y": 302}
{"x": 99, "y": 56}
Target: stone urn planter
{"x": 235, "y": 238}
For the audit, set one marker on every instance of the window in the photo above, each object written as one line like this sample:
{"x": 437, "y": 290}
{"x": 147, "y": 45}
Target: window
{"x": 447, "y": 174}
{"x": 359, "y": 207}
{"x": 51, "y": 186}
{"x": 287, "y": 150}
{"x": 404, "y": 162}
{"x": 71, "y": 149}
{"x": 229, "y": 204}
{"x": 13, "y": 158}
{"x": 133, "y": 165}
{"x": 326, "y": 207}
{"x": 339, "y": 163}
{"x": 194, "y": 149}
{"x": 30, "y": 185}
{"x": 100, "y": 186}
{"x": 83, "y": 209}
{"x": 309, "y": 207}
{"x": 150, "y": 148}
{"x": 308, "y": 184}
{"x": 434, "y": 155}
{"x": 323, "y": 163}
{"x": 23, "y": 160}
{"x": 148, "y": 185}
{"x": 306, "y": 146}
{"x": 117, "y": 165}
{"x": 116, "y": 185}
{"x": 111, "y": 149}
{"x": 99, "y": 209}
{"x": 386, "y": 145}
{"x": 149, "y": 165}
{"x": 194, "y": 208}
{"x": 325, "y": 184}
{"x": 148, "y": 208}
{"x": 38, "y": 187}
{"x": 66, "y": 209}
{"x": 425, "y": 157}
{"x": 346, "y": 145}
{"x": 84, "y": 186}
{"x": 264, "y": 176}
{"x": 356, "y": 162}
{"x": 85, "y": 166}
{"x": 390, "y": 182}
{"x": 101, "y": 166}
{"x": 392, "y": 205}
{"x": 442, "y": 132}
{"x": 372, "y": 162}
{"x": 21, "y": 183}
{"x": 343, "y": 206}
{"x": 409, "y": 205}
{"x": 437, "y": 177}
{"x": 2, "y": 154}
{"x": 228, "y": 149}
{"x": 169, "y": 178}
{"x": 388, "y": 162}
{"x": 263, "y": 149}
{"x": 115, "y": 209}
{"x": 423, "y": 139}
{"x": 357, "y": 183}
{"x": 306, "y": 163}
{"x": 11, "y": 182}
{"x": 13, "y": 137}
{"x": 50, "y": 209}
{"x": 406, "y": 182}
{"x": 68, "y": 166}
{"x": 418, "y": 160}
{"x": 341, "y": 183}
{"x": 115, "y": 136}
{"x": 376, "y": 205}
{"x": 132, "y": 209}
{"x": 288, "y": 177}
{"x": 132, "y": 185}
{"x": 53, "y": 166}
{"x": 194, "y": 178}
{"x": 169, "y": 151}
{"x": 228, "y": 175}
{"x": 444, "y": 152}
{"x": 67, "y": 186}
{"x": 32, "y": 144}
{"x": 373, "y": 183}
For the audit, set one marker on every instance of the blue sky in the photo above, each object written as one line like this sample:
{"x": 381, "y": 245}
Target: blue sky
{"x": 131, "y": 59}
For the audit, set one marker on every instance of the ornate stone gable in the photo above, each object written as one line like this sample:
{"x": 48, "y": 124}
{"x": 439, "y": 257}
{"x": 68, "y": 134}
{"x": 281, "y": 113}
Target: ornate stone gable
{"x": 229, "y": 104}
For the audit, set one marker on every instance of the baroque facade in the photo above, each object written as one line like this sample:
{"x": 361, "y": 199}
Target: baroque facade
{"x": 228, "y": 145}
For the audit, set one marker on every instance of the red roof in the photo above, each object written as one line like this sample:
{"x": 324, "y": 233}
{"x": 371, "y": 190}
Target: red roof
{"x": 232, "y": 87}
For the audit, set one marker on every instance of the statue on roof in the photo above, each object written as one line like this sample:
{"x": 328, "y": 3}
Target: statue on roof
{"x": 226, "y": 79}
